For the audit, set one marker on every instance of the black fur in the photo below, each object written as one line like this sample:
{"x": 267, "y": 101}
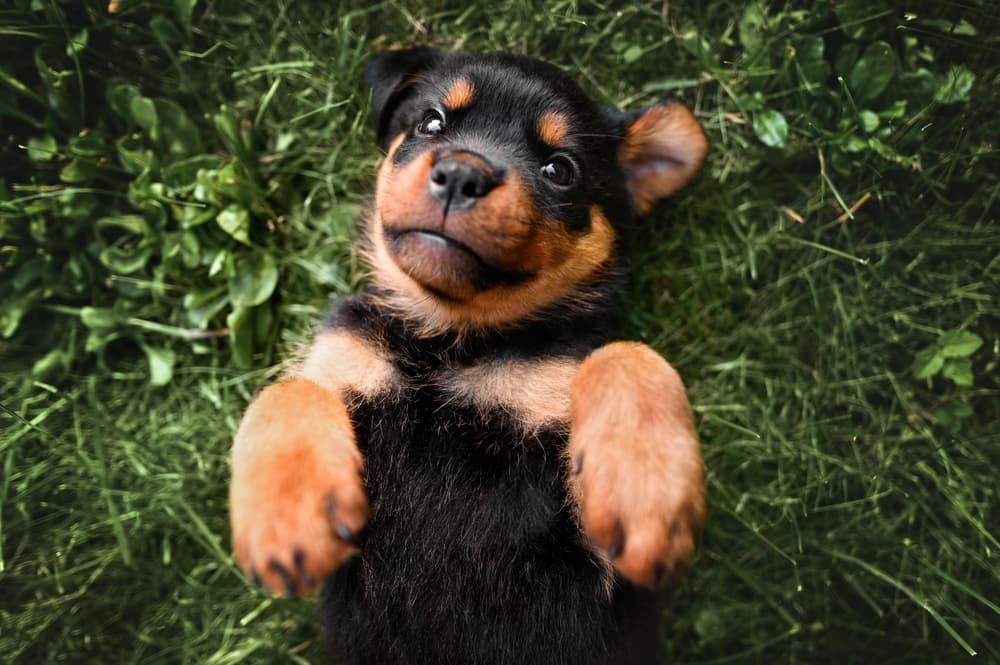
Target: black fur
{"x": 387, "y": 75}
{"x": 472, "y": 553}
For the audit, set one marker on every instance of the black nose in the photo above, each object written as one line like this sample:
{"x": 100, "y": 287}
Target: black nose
{"x": 459, "y": 182}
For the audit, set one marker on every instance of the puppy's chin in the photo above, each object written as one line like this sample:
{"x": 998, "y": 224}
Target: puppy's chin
{"x": 443, "y": 265}
{"x": 438, "y": 264}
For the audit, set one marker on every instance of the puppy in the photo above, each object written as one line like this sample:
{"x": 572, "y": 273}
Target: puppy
{"x": 465, "y": 461}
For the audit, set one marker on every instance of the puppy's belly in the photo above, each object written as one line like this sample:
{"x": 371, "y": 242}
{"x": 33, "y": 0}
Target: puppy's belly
{"x": 472, "y": 554}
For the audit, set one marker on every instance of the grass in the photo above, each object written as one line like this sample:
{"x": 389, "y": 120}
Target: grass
{"x": 853, "y": 506}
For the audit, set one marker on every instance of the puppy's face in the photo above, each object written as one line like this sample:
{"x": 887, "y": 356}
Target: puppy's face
{"x": 504, "y": 186}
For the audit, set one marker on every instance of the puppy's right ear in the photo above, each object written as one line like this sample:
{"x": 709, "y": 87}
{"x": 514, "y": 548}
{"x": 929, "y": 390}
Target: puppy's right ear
{"x": 389, "y": 75}
{"x": 662, "y": 151}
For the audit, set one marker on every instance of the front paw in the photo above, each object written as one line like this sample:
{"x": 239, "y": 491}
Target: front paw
{"x": 635, "y": 467}
{"x": 645, "y": 514}
{"x": 297, "y": 502}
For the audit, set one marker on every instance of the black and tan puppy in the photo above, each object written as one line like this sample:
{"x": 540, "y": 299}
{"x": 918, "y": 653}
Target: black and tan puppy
{"x": 466, "y": 461}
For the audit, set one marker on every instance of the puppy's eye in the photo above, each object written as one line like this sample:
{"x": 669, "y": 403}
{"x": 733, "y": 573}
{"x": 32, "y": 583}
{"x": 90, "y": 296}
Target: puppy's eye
{"x": 558, "y": 171}
{"x": 431, "y": 124}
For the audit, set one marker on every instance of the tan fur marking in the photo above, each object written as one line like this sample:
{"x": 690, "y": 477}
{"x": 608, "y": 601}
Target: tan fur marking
{"x": 460, "y": 95}
{"x": 393, "y": 147}
{"x": 640, "y": 485}
{"x": 296, "y": 479}
{"x": 340, "y": 361}
{"x": 572, "y": 261}
{"x": 663, "y": 150}
{"x": 552, "y": 129}
{"x": 535, "y": 391}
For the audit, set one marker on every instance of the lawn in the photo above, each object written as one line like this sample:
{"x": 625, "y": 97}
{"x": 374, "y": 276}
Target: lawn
{"x": 177, "y": 201}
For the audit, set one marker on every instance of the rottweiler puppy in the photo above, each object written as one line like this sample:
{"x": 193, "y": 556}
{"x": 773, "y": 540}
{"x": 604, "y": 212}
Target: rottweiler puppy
{"x": 469, "y": 466}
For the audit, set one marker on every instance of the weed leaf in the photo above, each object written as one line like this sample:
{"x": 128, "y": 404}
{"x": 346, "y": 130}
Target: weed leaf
{"x": 52, "y": 363}
{"x": 956, "y": 85}
{"x": 182, "y": 176}
{"x": 253, "y": 280}
{"x": 751, "y": 26}
{"x": 183, "y": 10}
{"x": 77, "y": 43}
{"x": 928, "y": 362}
{"x": 130, "y": 223}
{"x": 204, "y": 304}
{"x": 99, "y": 318}
{"x": 873, "y": 72}
{"x": 240, "y": 323}
{"x": 869, "y": 121}
{"x": 959, "y": 344}
{"x": 161, "y": 364}
{"x": 179, "y": 135}
{"x": 125, "y": 261}
{"x": 958, "y": 370}
{"x": 771, "y": 128}
{"x": 235, "y": 221}
{"x": 42, "y": 148}
{"x": 143, "y": 112}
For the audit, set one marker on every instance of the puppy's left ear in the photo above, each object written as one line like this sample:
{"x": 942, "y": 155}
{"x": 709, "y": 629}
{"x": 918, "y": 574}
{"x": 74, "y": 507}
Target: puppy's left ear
{"x": 662, "y": 151}
{"x": 389, "y": 75}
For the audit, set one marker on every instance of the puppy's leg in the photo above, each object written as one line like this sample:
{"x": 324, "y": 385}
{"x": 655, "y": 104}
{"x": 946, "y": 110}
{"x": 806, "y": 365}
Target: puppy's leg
{"x": 635, "y": 467}
{"x": 296, "y": 497}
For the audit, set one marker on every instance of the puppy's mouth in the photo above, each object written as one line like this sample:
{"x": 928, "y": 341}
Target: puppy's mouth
{"x": 444, "y": 265}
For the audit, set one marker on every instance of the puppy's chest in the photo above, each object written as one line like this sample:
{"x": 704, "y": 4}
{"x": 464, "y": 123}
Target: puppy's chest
{"x": 530, "y": 394}
{"x": 461, "y": 452}
{"x": 474, "y": 446}
{"x": 493, "y": 410}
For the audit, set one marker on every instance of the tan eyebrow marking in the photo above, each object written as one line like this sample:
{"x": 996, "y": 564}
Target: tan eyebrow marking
{"x": 552, "y": 128}
{"x": 459, "y": 95}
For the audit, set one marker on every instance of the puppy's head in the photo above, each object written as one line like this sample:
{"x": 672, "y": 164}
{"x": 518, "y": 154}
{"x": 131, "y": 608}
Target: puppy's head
{"x": 505, "y": 188}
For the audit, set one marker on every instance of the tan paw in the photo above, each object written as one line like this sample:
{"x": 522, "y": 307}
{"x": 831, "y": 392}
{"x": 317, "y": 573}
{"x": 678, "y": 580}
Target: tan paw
{"x": 636, "y": 470}
{"x": 297, "y": 503}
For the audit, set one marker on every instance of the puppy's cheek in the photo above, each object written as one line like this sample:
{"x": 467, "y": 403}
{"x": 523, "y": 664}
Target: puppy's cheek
{"x": 564, "y": 260}
{"x": 401, "y": 198}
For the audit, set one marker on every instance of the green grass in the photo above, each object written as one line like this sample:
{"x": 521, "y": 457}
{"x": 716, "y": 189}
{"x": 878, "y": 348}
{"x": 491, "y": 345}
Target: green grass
{"x": 854, "y": 507}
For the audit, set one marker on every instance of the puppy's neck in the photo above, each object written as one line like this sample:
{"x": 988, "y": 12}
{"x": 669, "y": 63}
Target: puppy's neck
{"x": 572, "y": 327}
